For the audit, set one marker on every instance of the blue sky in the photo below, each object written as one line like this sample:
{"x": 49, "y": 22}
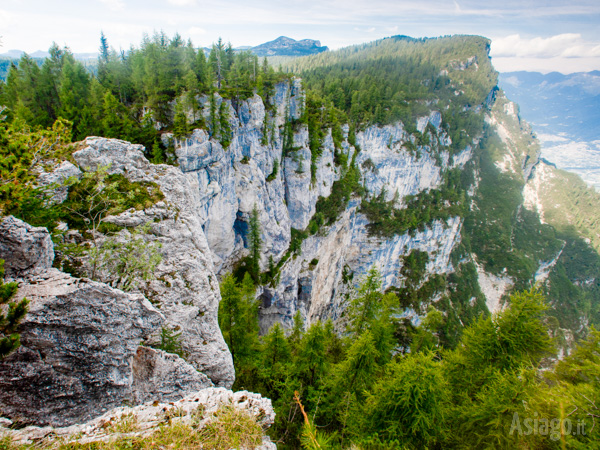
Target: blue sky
{"x": 526, "y": 34}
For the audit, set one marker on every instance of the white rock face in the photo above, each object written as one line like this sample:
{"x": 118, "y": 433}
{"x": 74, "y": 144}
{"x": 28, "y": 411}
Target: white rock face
{"x": 186, "y": 289}
{"x": 231, "y": 181}
{"x": 196, "y": 408}
{"x": 56, "y": 180}
{"x": 318, "y": 290}
{"x": 493, "y": 287}
{"x": 80, "y": 353}
{"x": 26, "y": 250}
{"x": 301, "y": 192}
{"x": 540, "y": 178}
{"x": 399, "y": 170}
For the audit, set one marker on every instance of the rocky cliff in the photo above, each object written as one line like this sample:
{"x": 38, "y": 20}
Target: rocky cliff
{"x": 317, "y": 278}
{"x": 80, "y": 351}
{"x": 185, "y": 288}
{"x": 231, "y": 181}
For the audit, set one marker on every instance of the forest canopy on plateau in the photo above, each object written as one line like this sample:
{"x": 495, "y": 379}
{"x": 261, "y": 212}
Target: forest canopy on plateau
{"x": 459, "y": 377}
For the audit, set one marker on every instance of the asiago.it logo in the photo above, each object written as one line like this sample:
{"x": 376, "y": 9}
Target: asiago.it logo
{"x": 553, "y": 428}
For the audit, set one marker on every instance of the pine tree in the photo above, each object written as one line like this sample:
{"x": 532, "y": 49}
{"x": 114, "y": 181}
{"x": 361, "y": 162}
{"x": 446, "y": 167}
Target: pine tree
{"x": 364, "y": 308}
{"x": 276, "y": 350}
{"x": 9, "y": 339}
{"x": 311, "y": 355}
{"x": 254, "y": 243}
{"x": 180, "y": 123}
{"x": 230, "y": 313}
{"x": 73, "y": 94}
{"x": 297, "y": 330}
{"x": 225, "y": 133}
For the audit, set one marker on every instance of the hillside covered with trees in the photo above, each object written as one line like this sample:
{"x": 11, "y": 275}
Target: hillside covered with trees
{"x": 425, "y": 364}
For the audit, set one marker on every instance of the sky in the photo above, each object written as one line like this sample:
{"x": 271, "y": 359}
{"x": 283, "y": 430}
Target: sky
{"x": 543, "y": 36}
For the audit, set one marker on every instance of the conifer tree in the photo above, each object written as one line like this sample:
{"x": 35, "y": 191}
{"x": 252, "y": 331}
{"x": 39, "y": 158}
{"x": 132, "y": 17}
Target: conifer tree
{"x": 180, "y": 123}
{"x": 297, "y": 331}
{"x": 9, "y": 339}
{"x": 276, "y": 350}
{"x": 364, "y": 308}
{"x": 254, "y": 243}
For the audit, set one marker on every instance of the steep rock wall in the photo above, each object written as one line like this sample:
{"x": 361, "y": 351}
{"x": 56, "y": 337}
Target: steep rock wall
{"x": 80, "y": 351}
{"x": 232, "y": 180}
{"x": 186, "y": 289}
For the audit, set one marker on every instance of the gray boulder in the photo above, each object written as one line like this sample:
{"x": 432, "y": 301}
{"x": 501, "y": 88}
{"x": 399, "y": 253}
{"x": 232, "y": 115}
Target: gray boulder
{"x": 186, "y": 288}
{"x": 80, "y": 351}
{"x": 164, "y": 376}
{"x": 24, "y": 249}
{"x": 77, "y": 344}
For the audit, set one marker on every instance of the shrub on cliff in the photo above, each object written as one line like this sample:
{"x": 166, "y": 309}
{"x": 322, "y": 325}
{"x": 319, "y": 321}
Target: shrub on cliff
{"x": 10, "y": 317}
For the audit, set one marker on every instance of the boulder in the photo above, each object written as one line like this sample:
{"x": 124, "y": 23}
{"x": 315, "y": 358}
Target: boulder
{"x": 78, "y": 340}
{"x": 24, "y": 249}
{"x": 195, "y": 409}
{"x": 80, "y": 352}
{"x": 185, "y": 288}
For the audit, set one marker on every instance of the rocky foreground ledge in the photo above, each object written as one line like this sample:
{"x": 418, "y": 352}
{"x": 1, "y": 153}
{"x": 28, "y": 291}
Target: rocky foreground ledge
{"x": 194, "y": 414}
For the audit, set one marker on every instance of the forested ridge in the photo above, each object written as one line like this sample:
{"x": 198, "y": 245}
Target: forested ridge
{"x": 458, "y": 377}
{"x": 136, "y": 93}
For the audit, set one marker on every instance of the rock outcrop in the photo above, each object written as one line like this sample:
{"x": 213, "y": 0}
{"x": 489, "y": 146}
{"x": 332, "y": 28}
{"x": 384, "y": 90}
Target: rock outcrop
{"x": 80, "y": 351}
{"x": 185, "y": 288}
{"x": 195, "y": 409}
{"x": 24, "y": 249}
{"x": 232, "y": 180}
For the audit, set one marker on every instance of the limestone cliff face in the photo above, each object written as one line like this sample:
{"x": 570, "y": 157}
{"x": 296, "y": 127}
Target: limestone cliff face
{"x": 195, "y": 409}
{"x": 231, "y": 181}
{"x": 80, "y": 351}
{"x": 186, "y": 289}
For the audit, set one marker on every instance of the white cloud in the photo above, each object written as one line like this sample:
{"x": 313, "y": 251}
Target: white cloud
{"x": 196, "y": 31}
{"x": 568, "y": 45}
{"x": 6, "y": 18}
{"x": 566, "y": 53}
{"x": 182, "y": 2}
{"x": 114, "y": 5}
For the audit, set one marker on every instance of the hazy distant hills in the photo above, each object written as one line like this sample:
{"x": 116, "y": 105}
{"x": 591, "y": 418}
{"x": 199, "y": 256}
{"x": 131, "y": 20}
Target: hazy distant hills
{"x": 565, "y": 113}
{"x": 16, "y": 54}
{"x": 284, "y": 46}
{"x": 557, "y": 103}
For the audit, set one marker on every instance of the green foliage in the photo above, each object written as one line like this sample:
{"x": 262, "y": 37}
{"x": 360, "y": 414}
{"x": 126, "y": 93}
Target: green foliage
{"x": 97, "y": 195}
{"x": 355, "y": 393}
{"x": 329, "y": 209}
{"x": 10, "y": 317}
{"x": 124, "y": 260}
{"x": 170, "y": 342}
{"x": 225, "y": 133}
{"x": 23, "y": 151}
{"x": 254, "y": 244}
{"x": 515, "y": 338}
{"x": 275, "y": 171}
{"x": 238, "y": 320}
{"x": 388, "y": 80}
{"x": 436, "y": 204}
{"x": 133, "y": 86}
{"x": 362, "y": 309}
{"x": 180, "y": 123}
{"x": 407, "y": 405}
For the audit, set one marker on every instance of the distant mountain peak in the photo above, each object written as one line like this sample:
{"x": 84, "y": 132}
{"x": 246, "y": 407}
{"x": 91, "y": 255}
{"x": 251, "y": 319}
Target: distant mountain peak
{"x": 285, "y": 46}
